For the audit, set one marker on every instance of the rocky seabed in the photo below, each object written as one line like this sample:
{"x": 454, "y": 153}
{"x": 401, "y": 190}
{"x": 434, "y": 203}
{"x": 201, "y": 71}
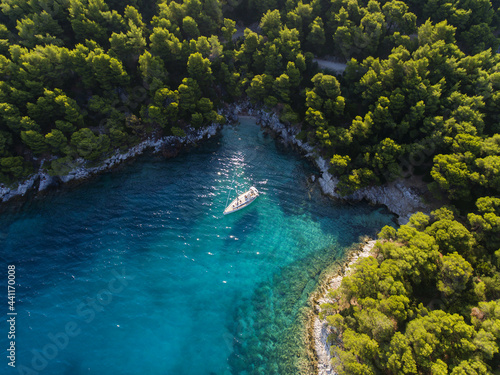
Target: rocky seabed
{"x": 42, "y": 180}
{"x": 321, "y": 329}
{"x": 398, "y": 198}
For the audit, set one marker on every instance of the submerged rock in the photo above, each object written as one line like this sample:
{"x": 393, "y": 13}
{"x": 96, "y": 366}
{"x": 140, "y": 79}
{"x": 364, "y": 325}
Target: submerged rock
{"x": 171, "y": 149}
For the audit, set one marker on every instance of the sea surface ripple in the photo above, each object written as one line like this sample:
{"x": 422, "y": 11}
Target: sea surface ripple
{"x": 152, "y": 278}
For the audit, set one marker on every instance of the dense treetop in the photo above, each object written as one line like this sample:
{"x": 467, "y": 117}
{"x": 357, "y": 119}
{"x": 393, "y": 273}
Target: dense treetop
{"x": 427, "y": 303}
{"x": 420, "y": 97}
{"x": 81, "y": 79}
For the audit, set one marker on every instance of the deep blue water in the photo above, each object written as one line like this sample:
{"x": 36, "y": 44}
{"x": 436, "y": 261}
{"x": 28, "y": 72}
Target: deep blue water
{"x": 138, "y": 271}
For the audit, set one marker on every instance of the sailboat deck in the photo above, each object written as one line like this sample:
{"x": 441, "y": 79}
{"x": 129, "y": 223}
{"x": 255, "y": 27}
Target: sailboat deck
{"x": 242, "y": 201}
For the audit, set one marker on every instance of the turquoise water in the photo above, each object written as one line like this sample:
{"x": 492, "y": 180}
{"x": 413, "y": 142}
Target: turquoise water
{"x": 138, "y": 271}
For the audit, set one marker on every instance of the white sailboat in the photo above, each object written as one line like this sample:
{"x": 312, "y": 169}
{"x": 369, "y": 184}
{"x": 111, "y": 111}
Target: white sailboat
{"x": 242, "y": 201}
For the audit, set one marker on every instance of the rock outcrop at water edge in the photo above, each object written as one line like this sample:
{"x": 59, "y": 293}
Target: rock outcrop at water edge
{"x": 397, "y": 196}
{"x": 42, "y": 180}
{"x": 321, "y": 329}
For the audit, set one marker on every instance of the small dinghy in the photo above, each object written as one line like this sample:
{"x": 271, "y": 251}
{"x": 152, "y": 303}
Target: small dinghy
{"x": 242, "y": 201}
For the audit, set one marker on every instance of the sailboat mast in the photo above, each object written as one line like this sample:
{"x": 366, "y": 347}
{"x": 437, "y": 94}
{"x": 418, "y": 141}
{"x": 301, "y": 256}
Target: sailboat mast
{"x": 229, "y": 192}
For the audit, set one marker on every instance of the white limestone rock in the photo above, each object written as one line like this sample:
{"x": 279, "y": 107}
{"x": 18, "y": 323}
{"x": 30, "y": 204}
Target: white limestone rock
{"x": 81, "y": 171}
{"x": 399, "y": 199}
{"x": 321, "y": 328}
{"x": 46, "y": 180}
{"x": 19, "y": 190}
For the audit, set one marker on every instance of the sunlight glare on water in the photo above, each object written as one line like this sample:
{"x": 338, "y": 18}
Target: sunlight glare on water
{"x": 152, "y": 278}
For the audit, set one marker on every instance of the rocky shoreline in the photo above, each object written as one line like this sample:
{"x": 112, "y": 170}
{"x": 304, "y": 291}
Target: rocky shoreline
{"x": 397, "y": 196}
{"x": 169, "y": 146}
{"x": 319, "y": 327}
{"x": 400, "y": 199}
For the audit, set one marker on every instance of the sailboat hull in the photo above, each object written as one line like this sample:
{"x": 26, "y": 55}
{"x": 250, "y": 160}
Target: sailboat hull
{"x": 242, "y": 201}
